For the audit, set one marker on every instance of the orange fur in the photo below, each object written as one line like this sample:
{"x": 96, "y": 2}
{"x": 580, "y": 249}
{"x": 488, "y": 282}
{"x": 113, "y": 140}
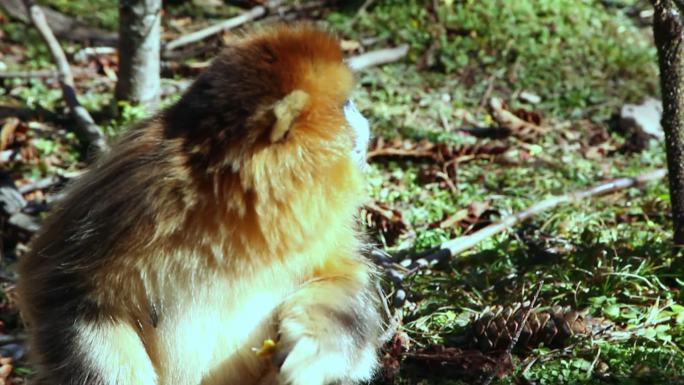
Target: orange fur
{"x": 202, "y": 236}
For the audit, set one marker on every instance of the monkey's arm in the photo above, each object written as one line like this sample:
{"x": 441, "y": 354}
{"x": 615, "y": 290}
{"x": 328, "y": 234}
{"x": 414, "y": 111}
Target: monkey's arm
{"x": 329, "y": 329}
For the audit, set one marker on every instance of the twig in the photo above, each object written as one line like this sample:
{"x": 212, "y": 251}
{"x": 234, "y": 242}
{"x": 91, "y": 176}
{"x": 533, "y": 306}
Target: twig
{"x": 40, "y": 184}
{"x": 518, "y": 332}
{"x": 296, "y": 10}
{"x": 39, "y": 74}
{"x": 488, "y": 92}
{"x": 86, "y": 127}
{"x": 224, "y": 25}
{"x": 376, "y": 58}
{"x": 454, "y": 247}
{"x": 400, "y": 153}
{"x": 25, "y": 222}
{"x": 10, "y": 155}
{"x": 85, "y": 53}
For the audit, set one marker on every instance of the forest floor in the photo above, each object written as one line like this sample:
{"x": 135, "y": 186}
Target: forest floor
{"x": 601, "y": 274}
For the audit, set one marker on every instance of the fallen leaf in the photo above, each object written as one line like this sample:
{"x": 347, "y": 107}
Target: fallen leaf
{"x": 7, "y": 132}
{"x": 5, "y": 370}
{"x": 386, "y": 220}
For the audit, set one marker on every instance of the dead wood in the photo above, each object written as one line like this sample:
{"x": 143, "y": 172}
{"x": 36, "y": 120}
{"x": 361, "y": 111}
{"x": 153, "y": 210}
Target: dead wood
{"x": 454, "y": 247}
{"x": 11, "y": 199}
{"x": 459, "y": 245}
{"x": 40, "y": 74}
{"x": 40, "y": 184}
{"x": 138, "y": 80}
{"x": 85, "y": 126}
{"x": 378, "y": 57}
{"x": 234, "y": 22}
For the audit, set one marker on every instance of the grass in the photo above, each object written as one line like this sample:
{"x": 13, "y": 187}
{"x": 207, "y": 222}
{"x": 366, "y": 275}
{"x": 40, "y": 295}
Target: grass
{"x": 582, "y": 58}
{"x": 102, "y": 13}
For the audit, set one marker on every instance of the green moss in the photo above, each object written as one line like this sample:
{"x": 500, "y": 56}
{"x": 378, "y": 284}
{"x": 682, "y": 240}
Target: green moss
{"x": 579, "y": 56}
{"x": 102, "y": 13}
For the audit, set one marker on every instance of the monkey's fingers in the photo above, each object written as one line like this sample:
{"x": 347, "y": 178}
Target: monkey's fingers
{"x": 267, "y": 348}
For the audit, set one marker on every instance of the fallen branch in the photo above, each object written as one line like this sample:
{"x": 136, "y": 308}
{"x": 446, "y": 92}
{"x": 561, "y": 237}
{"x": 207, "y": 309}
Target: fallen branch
{"x": 356, "y": 63}
{"x": 40, "y": 184}
{"x": 222, "y": 26}
{"x": 400, "y": 153}
{"x": 87, "y": 130}
{"x": 25, "y": 222}
{"x": 11, "y": 200}
{"x": 378, "y": 57}
{"x": 63, "y": 26}
{"x": 40, "y": 74}
{"x": 454, "y": 247}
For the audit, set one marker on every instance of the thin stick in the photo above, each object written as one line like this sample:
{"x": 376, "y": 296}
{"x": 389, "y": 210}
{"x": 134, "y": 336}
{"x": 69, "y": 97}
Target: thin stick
{"x": 454, "y": 247}
{"x": 86, "y": 127}
{"x": 40, "y": 74}
{"x": 376, "y": 58}
{"x": 224, "y": 25}
{"x": 40, "y": 184}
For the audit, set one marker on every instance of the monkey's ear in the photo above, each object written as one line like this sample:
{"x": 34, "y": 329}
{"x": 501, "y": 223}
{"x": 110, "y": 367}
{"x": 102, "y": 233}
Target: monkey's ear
{"x": 286, "y": 111}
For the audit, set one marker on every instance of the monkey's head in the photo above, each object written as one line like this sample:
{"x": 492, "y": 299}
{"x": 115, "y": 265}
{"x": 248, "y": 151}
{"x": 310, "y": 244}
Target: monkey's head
{"x": 271, "y": 130}
{"x": 283, "y": 89}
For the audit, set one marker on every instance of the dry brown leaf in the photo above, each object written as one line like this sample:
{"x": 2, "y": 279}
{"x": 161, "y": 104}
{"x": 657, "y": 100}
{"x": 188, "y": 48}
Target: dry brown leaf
{"x": 469, "y": 217}
{"x": 440, "y": 153}
{"x": 7, "y": 132}
{"x": 454, "y": 219}
{"x": 5, "y": 370}
{"x": 350, "y": 45}
{"x": 519, "y": 127}
{"x": 386, "y": 220}
{"x": 533, "y": 117}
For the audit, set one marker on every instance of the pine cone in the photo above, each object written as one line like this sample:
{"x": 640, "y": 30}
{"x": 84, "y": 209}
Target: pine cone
{"x": 496, "y": 327}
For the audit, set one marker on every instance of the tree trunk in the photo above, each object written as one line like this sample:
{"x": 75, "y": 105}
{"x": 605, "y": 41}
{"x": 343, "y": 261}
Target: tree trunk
{"x": 139, "y": 65}
{"x": 668, "y": 27}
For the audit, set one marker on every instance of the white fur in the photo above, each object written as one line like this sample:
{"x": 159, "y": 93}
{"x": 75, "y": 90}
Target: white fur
{"x": 116, "y": 352}
{"x": 362, "y": 129}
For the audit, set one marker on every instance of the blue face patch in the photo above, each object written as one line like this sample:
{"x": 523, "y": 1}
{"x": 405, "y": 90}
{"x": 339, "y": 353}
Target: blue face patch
{"x": 362, "y": 130}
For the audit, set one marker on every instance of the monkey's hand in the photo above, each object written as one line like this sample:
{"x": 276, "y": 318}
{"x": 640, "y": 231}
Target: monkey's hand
{"x": 329, "y": 333}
